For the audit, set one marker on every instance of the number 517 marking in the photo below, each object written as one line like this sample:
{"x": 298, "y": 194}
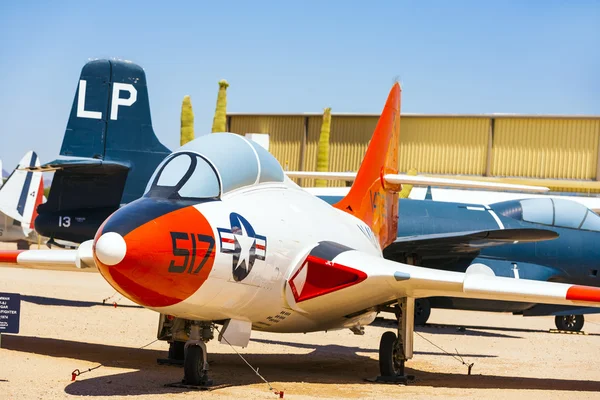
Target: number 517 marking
{"x": 204, "y": 242}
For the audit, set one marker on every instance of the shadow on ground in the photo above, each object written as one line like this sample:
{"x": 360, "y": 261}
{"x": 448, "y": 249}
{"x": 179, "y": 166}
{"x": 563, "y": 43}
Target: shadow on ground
{"x": 442, "y": 329}
{"x": 353, "y": 350}
{"x": 53, "y": 301}
{"x": 329, "y": 364}
{"x": 466, "y": 330}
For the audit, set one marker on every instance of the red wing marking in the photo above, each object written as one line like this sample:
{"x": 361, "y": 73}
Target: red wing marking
{"x": 317, "y": 277}
{"x": 584, "y": 293}
{"x": 10, "y": 256}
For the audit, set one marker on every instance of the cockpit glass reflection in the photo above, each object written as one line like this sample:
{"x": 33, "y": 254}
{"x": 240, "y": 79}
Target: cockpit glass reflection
{"x": 561, "y": 213}
{"x": 174, "y": 171}
{"x": 185, "y": 176}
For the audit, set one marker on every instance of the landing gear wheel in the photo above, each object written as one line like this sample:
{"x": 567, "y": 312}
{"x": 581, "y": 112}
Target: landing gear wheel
{"x": 177, "y": 351}
{"x": 391, "y": 362}
{"x": 193, "y": 367}
{"x": 422, "y": 311}
{"x": 23, "y": 245}
{"x": 571, "y": 323}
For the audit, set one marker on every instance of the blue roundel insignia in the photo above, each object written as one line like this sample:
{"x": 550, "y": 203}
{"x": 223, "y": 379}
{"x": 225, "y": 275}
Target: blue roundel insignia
{"x": 244, "y": 244}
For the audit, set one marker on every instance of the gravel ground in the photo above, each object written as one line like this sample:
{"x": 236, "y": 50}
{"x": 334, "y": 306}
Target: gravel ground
{"x": 65, "y": 326}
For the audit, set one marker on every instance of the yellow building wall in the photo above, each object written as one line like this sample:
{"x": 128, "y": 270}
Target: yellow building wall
{"x": 540, "y": 147}
{"x": 285, "y": 135}
{"x": 348, "y": 141}
{"x": 546, "y": 148}
{"x": 444, "y": 145}
{"x": 430, "y": 144}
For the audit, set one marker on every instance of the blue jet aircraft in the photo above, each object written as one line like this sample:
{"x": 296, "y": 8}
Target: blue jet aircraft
{"x": 452, "y": 236}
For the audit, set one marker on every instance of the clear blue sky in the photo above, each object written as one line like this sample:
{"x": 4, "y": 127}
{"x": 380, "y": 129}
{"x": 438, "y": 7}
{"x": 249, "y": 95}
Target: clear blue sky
{"x": 295, "y": 56}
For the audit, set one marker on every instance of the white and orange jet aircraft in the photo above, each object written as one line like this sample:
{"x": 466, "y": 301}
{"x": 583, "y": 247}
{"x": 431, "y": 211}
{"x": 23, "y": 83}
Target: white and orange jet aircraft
{"x": 222, "y": 236}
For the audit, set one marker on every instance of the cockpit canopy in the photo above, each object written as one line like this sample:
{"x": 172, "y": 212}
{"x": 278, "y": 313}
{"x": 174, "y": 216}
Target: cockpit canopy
{"x": 213, "y": 165}
{"x": 561, "y": 213}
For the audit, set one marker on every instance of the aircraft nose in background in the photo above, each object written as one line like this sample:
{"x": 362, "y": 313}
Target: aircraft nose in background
{"x": 155, "y": 254}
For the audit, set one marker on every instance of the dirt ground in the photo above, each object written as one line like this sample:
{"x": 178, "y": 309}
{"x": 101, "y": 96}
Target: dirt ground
{"x": 65, "y": 326}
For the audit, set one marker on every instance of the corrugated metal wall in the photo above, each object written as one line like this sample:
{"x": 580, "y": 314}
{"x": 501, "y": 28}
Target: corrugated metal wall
{"x": 458, "y": 145}
{"x": 539, "y": 147}
{"x": 444, "y": 145}
{"x": 285, "y": 135}
{"x": 545, "y": 148}
{"x": 348, "y": 140}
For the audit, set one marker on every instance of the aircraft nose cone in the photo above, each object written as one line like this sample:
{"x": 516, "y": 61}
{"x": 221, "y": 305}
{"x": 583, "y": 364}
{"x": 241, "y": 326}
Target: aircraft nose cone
{"x": 155, "y": 254}
{"x": 111, "y": 248}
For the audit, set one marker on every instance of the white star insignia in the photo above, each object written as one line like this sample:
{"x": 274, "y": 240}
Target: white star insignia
{"x": 246, "y": 243}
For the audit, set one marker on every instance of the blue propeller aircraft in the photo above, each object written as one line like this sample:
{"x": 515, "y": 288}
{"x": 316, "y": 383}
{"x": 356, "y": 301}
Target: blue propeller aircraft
{"x": 109, "y": 152}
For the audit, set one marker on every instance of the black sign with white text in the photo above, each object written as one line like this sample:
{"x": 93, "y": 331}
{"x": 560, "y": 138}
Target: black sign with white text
{"x": 10, "y": 312}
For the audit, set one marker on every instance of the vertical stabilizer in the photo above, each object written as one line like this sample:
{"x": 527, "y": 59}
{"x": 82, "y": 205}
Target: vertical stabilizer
{"x": 108, "y": 153}
{"x": 110, "y": 121}
{"x": 38, "y": 200}
{"x": 19, "y": 193}
{"x": 370, "y": 198}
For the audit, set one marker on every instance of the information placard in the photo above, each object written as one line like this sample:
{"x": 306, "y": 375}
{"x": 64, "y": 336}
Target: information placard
{"x": 10, "y": 312}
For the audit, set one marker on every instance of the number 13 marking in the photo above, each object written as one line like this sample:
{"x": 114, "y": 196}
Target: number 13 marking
{"x": 64, "y": 222}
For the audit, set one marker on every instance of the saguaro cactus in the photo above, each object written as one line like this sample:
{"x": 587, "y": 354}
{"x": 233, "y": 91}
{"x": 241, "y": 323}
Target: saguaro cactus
{"x": 187, "y": 121}
{"x": 220, "y": 120}
{"x": 323, "y": 148}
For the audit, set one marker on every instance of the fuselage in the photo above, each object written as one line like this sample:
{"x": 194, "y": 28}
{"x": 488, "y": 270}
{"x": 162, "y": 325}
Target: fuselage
{"x": 252, "y": 238}
{"x": 572, "y": 257}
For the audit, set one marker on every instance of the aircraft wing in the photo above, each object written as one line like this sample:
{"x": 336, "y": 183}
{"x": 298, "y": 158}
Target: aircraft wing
{"x": 82, "y": 257}
{"x": 334, "y": 278}
{"x": 419, "y": 180}
{"x": 449, "y": 244}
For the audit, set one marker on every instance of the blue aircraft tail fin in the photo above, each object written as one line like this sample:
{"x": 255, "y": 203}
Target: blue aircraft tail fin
{"x": 109, "y": 150}
{"x": 110, "y": 115}
{"x": 428, "y": 195}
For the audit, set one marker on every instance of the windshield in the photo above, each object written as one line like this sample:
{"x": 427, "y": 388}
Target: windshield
{"x": 185, "y": 176}
{"x": 239, "y": 162}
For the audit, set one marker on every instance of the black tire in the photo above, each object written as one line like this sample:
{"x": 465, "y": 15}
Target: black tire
{"x": 193, "y": 366}
{"x": 177, "y": 351}
{"x": 23, "y": 245}
{"x": 422, "y": 311}
{"x": 388, "y": 357}
{"x": 571, "y": 323}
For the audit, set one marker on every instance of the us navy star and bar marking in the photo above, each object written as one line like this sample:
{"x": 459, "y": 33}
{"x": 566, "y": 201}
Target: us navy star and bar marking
{"x": 244, "y": 244}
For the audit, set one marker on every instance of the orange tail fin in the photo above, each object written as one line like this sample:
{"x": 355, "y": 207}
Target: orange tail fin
{"x": 370, "y": 198}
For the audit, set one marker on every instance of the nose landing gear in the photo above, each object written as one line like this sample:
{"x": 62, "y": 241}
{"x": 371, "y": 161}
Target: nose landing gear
{"x": 195, "y": 364}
